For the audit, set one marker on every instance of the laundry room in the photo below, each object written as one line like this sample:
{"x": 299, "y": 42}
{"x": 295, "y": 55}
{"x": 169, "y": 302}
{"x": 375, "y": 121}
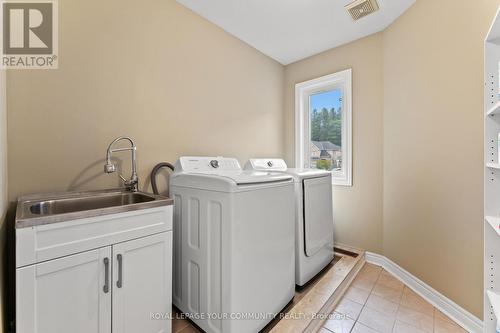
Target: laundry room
{"x": 229, "y": 166}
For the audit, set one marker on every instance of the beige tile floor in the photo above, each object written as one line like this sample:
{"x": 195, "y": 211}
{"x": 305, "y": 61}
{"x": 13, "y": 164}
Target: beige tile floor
{"x": 377, "y": 302}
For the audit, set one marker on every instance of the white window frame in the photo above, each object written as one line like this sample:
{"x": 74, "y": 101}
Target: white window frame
{"x": 305, "y": 89}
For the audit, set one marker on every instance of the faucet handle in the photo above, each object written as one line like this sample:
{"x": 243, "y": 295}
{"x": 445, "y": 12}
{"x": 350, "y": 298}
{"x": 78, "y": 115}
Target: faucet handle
{"x": 130, "y": 184}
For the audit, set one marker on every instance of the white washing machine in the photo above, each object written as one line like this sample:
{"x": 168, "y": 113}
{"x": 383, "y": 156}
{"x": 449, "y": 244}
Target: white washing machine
{"x": 233, "y": 244}
{"x": 313, "y": 216}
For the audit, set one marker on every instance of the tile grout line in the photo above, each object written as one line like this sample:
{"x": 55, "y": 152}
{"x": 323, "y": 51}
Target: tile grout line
{"x": 434, "y": 319}
{"x": 399, "y": 303}
{"x": 371, "y": 292}
{"x": 366, "y": 301}
{"x": 399, "y": 306}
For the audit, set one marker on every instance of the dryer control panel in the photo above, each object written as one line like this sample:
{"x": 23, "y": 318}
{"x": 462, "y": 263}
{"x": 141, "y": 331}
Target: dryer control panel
{"x": 207, "y": 164}
{"x": 269, "y": 164}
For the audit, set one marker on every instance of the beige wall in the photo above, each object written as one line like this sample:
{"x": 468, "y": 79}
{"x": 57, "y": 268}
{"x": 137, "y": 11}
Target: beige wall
{"x": 433, "y": 155}
{"x": 357, "y": 209}
{"x": 155, "y": 71}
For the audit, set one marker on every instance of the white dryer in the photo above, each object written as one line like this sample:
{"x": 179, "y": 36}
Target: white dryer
{"x": 233, "y": 244}
{"x": 313, "y": 216}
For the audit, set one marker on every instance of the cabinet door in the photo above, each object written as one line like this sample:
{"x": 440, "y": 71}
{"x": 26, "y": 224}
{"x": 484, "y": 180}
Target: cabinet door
{"x": 65, "y": 295}
{"x": 142, "y": 285}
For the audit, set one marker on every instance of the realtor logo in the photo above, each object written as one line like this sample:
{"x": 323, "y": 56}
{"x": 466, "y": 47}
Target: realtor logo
{"x": 29, "y": 35}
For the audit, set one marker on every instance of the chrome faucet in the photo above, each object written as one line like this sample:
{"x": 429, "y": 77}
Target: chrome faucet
{"x": 132, "y": 183}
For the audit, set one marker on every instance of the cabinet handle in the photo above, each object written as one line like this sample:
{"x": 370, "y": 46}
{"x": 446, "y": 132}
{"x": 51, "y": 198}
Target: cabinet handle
{"x": 120, "y": 264}
{"x": 106, "y": 276}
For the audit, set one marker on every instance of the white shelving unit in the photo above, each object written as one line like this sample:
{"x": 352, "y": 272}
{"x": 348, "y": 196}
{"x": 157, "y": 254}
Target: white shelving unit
{"x": 492, "y": 178}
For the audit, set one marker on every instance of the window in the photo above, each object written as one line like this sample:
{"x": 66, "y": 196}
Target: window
{"x": 323, "y": 125}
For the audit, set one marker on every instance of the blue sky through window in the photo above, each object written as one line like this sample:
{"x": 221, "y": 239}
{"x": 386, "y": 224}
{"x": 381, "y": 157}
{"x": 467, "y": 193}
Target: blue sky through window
{"x": 328, "y": 99}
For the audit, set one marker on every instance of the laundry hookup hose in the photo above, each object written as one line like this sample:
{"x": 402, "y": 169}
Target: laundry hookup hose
{"x": 154, "y": 173}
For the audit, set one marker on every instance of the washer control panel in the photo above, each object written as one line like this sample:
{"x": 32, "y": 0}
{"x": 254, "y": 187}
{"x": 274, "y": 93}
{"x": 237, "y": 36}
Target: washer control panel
{"x": 207, "y": 164}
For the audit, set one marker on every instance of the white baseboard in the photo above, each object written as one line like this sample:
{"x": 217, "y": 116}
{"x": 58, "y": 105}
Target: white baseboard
{"x": 461, "y": 316}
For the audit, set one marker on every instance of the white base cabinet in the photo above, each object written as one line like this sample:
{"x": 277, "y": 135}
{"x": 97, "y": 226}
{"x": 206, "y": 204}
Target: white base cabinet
{"x": 120, "y": 288}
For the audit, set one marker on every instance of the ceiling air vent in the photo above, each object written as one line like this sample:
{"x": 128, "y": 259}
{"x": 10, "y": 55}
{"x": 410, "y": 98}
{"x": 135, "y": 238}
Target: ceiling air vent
{"x": 361, "y": 8}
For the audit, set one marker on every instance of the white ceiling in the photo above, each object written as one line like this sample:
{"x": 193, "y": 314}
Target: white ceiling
{"x": 291, "y": 30}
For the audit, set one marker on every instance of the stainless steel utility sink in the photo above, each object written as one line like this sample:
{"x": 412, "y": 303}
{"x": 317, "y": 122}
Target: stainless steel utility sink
{"x": 58, "y": 207}
{"x": 61, "y": 206}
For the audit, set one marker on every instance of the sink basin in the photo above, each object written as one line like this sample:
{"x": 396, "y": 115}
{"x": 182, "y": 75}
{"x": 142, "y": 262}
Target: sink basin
{"x": 49, "y": 208}
{"x": 61, "y": 206}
